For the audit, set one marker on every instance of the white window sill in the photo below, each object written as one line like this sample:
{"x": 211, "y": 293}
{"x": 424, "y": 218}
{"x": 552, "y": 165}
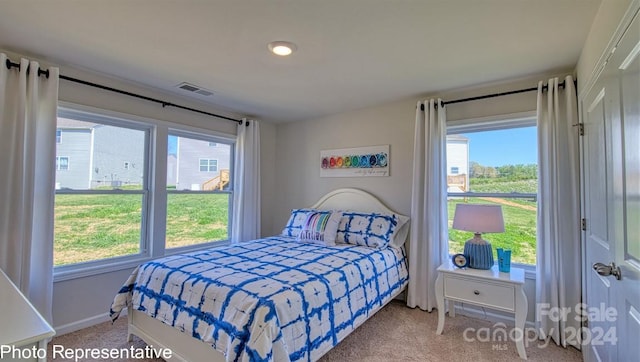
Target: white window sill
{"x": 77, "y": 271}
{"x": 529, "y": 270}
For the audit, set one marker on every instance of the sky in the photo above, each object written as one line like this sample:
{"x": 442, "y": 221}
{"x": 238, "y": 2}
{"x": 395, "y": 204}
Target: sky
{"x": 173, "y": 145}
{"x": 504, "y": 147}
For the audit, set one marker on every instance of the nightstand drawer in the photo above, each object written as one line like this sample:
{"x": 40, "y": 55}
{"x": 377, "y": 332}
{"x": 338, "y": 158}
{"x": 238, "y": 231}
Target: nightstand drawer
{"x": 479, "y": 292}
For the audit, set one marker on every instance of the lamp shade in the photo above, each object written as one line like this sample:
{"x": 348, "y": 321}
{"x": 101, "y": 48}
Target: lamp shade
{"x": 478, "y": 218}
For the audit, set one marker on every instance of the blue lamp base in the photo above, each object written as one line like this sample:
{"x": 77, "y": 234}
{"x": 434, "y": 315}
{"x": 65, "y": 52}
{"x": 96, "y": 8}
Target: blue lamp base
{"x": 479, "y": 252}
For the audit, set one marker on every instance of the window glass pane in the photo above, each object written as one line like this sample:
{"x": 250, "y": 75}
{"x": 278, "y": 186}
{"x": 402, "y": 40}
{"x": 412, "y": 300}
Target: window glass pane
{"x": 98, "y": 152}
{"x": 92, "y": 227}
{"x": 195, "y": 218}
{"x": 94, "y": 218}
{"x": 195, "y": 165}
{"x": 497, "y": 162}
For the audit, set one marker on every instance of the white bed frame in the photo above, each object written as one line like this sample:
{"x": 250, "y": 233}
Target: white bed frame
{"x": 189, "y": 349}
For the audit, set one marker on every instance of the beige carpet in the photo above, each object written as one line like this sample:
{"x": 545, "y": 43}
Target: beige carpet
{"x": 395, "y": 333}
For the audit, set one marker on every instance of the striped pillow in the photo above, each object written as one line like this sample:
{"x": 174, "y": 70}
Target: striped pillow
{"x": 320, "y": 227}
{"x": 296, "y": 221}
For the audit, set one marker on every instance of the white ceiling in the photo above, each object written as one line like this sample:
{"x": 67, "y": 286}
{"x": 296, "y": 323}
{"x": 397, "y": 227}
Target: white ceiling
{"x": 351, "y": 54}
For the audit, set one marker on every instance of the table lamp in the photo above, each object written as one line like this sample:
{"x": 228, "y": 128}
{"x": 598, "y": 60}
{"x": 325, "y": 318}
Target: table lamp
{"x": 478, "y": 219}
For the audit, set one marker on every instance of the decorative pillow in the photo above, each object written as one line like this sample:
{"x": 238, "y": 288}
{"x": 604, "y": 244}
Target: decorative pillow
{"x": 296, "y": 220}
{"x": 321, "y": 227}
{"x": 374, "y": 230}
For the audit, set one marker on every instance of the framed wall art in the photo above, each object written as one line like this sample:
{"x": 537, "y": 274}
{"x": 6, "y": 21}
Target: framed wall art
{"x": 355, "y": 162}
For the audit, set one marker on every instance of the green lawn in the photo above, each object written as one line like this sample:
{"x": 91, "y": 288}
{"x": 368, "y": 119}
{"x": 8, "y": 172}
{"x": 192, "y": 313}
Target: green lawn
{"x": 90, "y": 227}
{"x": 192, "y": 219}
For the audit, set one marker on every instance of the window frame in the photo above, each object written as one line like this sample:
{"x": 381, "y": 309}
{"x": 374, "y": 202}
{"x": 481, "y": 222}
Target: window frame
{"x": 206, "y": 137}
{"x": 104, "y": 118}
{"x": 495, "y": 123}
{"x": 156, "y": 207}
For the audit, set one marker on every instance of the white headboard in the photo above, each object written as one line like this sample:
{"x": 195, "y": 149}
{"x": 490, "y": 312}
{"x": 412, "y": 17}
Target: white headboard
{"x": 351, "y": 199}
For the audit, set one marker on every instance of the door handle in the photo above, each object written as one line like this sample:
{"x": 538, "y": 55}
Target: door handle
{"x": 607, "y": 270}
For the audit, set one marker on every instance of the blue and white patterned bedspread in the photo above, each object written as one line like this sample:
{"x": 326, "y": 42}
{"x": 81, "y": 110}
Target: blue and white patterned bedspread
{"x": 268, "y": 299}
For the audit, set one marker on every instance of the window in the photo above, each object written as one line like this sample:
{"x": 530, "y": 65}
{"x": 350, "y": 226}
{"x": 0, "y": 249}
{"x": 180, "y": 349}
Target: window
{"x": 198, "y": 203}
{"x": 496, "y": 164}
{"x": 106, "y": 212}
{"x": 213, "y": 144}
{"x": 208, "y": 165}
{"x": 99, "y": 207}
{"x": 62, "y": 163}
{"x": 58, "y": 136}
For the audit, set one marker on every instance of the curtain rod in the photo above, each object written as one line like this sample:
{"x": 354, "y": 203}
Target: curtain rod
{"x": 11, "y": 64}
{"x": 544, "y": 88}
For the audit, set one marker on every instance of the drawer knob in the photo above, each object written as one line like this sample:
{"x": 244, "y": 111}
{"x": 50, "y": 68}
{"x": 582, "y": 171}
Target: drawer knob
{"x": 476, "y": 292}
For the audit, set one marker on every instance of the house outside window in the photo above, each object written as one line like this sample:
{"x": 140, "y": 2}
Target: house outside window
{"x": 58, "y": 136}
{"x": 500, "y": 168}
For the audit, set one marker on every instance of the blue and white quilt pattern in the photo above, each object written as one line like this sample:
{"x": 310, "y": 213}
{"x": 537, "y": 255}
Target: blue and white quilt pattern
{"x": 269, "y": 299}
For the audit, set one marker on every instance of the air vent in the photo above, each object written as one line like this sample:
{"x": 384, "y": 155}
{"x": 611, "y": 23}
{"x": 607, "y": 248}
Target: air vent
{"x": 195, "y": 89}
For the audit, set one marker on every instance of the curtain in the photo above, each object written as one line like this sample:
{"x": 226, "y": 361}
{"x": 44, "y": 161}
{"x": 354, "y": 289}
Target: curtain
{"x": 28, "y": 111}
{"x": 246, "y": 190}
{"x": 428, "y": 246}
{"x": 558, "y": 239}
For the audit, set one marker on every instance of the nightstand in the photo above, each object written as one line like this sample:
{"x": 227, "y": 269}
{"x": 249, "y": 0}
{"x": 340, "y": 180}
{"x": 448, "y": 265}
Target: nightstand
{"x": 485, "y": 288}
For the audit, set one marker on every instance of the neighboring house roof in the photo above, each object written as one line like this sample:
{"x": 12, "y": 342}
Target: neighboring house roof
{"x": 72, "y": 123}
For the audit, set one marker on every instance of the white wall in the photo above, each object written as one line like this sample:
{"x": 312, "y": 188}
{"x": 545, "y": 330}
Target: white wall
{"x": 268, "y": 176}
{"x": 298, "y": 152}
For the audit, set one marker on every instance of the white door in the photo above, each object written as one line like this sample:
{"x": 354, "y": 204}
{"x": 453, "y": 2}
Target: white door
{"x": 597, "y": 212}
{"x": 611, "y": 180}
{"x": 626, "y": 193}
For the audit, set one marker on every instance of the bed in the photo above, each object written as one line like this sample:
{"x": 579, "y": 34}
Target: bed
{"x": 272, "y": 299}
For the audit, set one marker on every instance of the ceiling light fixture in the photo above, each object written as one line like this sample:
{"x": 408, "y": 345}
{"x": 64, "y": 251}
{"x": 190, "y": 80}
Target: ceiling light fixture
{"x": 282, "y": 48}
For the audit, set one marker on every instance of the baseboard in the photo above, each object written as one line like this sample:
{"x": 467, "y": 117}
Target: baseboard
{"x": 478, "y": 313}
{"x": 85, "y": 323}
